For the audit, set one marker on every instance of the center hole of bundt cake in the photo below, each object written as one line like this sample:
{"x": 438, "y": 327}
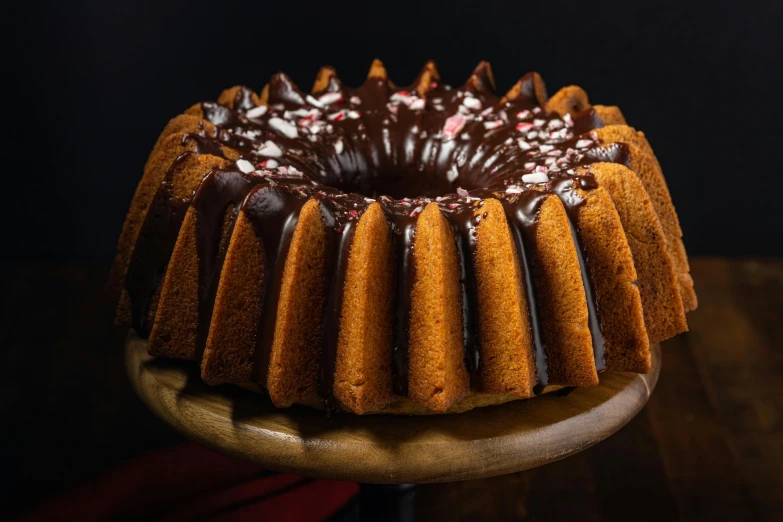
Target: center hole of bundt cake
{"x": 398, "y": 182}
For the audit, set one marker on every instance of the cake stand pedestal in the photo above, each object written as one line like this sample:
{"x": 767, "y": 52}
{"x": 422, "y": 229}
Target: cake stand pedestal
{"x": 381, "y": 449}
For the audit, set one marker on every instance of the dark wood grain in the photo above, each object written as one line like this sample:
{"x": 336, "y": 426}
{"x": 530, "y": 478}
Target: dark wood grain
{"x": 386, "y": 449}
{"x": 707, "y": 446}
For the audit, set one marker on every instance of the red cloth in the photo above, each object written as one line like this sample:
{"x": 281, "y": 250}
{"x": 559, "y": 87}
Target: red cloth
{"x": 189, "y": 481}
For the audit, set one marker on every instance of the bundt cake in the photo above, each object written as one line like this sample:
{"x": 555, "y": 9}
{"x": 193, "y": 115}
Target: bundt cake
{"x": 420, "y": 249}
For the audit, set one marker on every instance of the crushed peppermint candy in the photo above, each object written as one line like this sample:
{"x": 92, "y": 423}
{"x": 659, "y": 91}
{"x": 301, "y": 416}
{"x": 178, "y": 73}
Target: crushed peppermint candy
{"x": 539, "y": 122}
{"x": 521, "y": 127}
{"x": 268, "y": 164}
{"x": 523, "y": 144}
{"x": 545, "y": 148}
{"x": 583, "y": 144}
{"x": 338, "y": 146}
{"x": 523, "y": 115}
{"x": 270, "y": 150}
{"x": 452, "y": 127}
{"x": 312, "y": 101}
{"x": 492, "y": 124}
{"x": 354, "y": 115}
{"x": 245, "y": 166}
{"x": 417, "y": 104}
{"x": 537, "y": 177}
{"x": 355, "y": 100}
{"x": 330, "y": 97}
{"x": 401, "y": 97}
{"x": 472, "y": 103}
{"x": 461, "y": 192}
{"x": 257, "y": 112}
{"x": 283, "y": 127}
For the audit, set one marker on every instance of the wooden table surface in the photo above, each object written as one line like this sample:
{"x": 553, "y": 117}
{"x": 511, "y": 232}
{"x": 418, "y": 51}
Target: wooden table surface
{"x": 708, "y": 446}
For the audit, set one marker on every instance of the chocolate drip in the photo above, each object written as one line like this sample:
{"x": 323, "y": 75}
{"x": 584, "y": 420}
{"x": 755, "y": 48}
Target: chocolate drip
{"x": 283, "y": 90}
{"x": 341, "y": 223}
{"x": 527, "y": 89}
{"x": 573, "y": 202}
{"x": 587, "y": 120}
{"x": 273, "y": 210}
{"x": 243, "y": 100}
{"x": 523, "y": 211}
{"x": 218, "y": 191}
{"x": 154, "y": 246}
{"x": 221, "y": 115}
{"x": 612, "y": 153}
{"x": 402, "y": 221}
{"x": 464, "y": 222}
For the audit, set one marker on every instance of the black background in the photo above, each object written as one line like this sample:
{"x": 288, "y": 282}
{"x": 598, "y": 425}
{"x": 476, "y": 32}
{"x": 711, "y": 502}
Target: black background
{"x": 96, "y": 82}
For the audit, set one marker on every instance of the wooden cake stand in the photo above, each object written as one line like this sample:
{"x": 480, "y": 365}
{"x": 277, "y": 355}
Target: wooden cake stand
{"x": 385, "y": 449}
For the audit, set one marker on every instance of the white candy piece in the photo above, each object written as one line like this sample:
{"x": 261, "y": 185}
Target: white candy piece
{"x": 270, "y": 150}
{"x": 537, "y": 177}
{"x": 355, "y": 100}
{"x": 472, "y": 103}
{"x": 312, "y": 101}
{"x": 523, "y": 144}
{"x": 245, "y": 166}
{"x": 270, "y": 164}
{"x": 417, "y": 104}
{"x": 453, "y": 125}
{"x": 283, "y": 127}
{"x": 401, "y": 97}
{"x": 338, "y": 146}
{"x": 492, "y": 124}
{"x": 257, "y": 112}
{"x": 581, "y": 144}
{"x": 452, "y": 174}
{"x": 545, "y": 148}
{"x": 330, "y": 97}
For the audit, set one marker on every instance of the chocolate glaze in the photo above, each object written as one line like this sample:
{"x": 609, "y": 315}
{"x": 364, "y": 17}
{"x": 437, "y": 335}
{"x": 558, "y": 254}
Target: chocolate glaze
{"x": 523, "y": 211}
{"x": 402, "y": 220}
{"x": 341, "y": 214}
{"x": 464, "y": 221}
{"x": 425, "y": 140}
{"x": 216, "y": 201}
{"x": 273, "y": 210}
{"x": 572, "y": 201}
{"x": 154, "y": 246}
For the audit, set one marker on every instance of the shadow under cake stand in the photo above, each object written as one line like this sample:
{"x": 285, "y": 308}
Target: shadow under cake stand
{"x": 385, "y": 449}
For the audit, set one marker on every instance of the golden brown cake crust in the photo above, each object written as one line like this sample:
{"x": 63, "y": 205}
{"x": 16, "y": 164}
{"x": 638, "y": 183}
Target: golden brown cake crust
{"x": 657, "y": 281}
{"x": 437, "y": 377}
{"x": 363, "y": 374}
{"x": 570, "y": 359}
{"x": 507, "y": 365}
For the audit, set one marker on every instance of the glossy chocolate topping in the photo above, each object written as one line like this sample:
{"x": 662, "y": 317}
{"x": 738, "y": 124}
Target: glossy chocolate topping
{"x": 405, "y": 147}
